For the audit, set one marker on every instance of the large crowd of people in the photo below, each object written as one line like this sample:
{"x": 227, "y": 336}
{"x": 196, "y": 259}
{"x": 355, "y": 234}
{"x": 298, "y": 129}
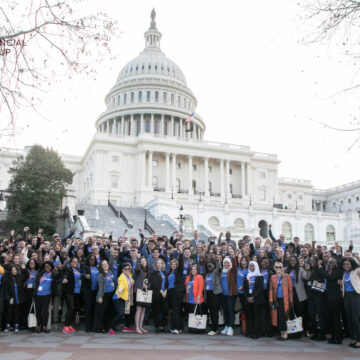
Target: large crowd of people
{"x": 258, "y": 284}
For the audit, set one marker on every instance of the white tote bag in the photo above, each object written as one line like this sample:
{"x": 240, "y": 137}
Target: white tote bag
{"x": 143, "y": 298}
{"x": 197, "y": 322}
{"x": 32, "y": 322}
{"x": 294, "y": 326}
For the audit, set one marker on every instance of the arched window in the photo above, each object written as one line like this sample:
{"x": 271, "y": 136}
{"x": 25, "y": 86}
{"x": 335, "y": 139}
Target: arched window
{"x": 188, "y": 223}
{"x": 214, "y": 222}
{"x": 330, "y": 233}
{"x": 119, "y": 100}
{"x": 155, "y": 181}
{"x": 132, "y": 97}
{"x": 194, "y": 186}
{"x": 178, "y": 183}
{"x": 156, "y": 96}
{"x": 309, "y": 232}
{"x": 156, "y": 127}
{"x": 140, "y": 96}
{"x": 148, "y": 96}
{"x": 172, "y": 99}
{"x": 125, "y": 99}
{"x": 286, "y": 230}
{"x": 210, "y": 187}
{"x": 239, "y": 223}
{"x": 147, "y": 126}
{"x": 164, "y": 98}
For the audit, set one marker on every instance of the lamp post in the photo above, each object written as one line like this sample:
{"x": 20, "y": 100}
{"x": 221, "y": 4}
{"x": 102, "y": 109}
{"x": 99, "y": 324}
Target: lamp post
{"x": 2, "y": 201}
{"x": 226, "y": 195}
{"x": 109, "y": 193}
{"x": 172, "y": 193}
{"x": 200, "y": 195}
{"x": 250, "y": 203}
{"x": 181, "y": 218}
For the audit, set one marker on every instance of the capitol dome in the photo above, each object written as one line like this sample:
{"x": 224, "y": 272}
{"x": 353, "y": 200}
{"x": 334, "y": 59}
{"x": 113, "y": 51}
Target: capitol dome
{"x": 151, "y": 96}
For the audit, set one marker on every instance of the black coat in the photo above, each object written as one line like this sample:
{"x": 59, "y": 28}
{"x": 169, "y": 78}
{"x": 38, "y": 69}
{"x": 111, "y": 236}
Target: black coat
{"x": 54, "y": 278}
{"x": 69, "y": 287}
{"x": 85, "y": 283}
{"x": 155, "y": 282}
{"x": 179, "y": 284}
{"x": 257, "y": 293}
{"x": 9, "y": 288}
{"x": 333, "y": 289}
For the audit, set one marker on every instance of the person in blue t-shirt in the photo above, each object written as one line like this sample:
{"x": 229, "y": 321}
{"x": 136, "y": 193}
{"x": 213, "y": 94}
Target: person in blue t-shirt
{"x": 32, "y": 266}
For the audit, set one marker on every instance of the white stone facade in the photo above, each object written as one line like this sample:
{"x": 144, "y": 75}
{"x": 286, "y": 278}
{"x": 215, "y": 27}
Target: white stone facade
{"x": 143, "y": 156}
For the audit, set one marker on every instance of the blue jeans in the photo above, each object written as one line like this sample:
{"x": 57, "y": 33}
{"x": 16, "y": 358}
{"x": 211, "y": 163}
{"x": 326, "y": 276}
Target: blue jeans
{"x": 228, "y": 305}
{"x": 119, "y": 306}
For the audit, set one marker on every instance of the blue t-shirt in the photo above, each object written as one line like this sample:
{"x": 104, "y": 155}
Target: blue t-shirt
{"x": 190, "y": 292}
{"x": 77, "y": 277}
{"x": 202, "y": 270}
{"x": 224, "y": 284}
{"x": 44, "y": 287}
{"x": 133, "y": 263}
{"x": 348, "y": 286}
{"x": 185, "y": 269}
{"x": 167, "y": 264}
{"x": 171, "y": 280}
{"x": 115, "y": 267}
{"x": 280, "y": 293}
{"x": 0, "y": 278}
{"x": 56, "y": 262}
{"x": 208, "y": 282}
{"x": 251, "y": 281}
{"x": 31, "y": 280}
{"x": 292, "y": 276}
{"x": 163, "y": 278}
{"x": 240, "y": 277}
{"x": 109, "y": 282}
{"x": 94, "y": 272}
{"x": 265, "y": 274}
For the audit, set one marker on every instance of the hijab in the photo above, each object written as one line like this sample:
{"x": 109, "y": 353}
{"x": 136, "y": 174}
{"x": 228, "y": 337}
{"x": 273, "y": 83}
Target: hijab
{"x": 229, "y": 261}
{"x": 256, "y": 272}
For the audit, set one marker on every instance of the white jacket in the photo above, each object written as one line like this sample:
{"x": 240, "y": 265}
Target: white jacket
{"x": 354, "y": 279}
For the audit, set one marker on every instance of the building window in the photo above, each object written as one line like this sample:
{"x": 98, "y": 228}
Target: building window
{"x": 148, "y": 96}
{"x": 140, "y": 96}
{"x": 210, "y": 169}
{"x": 147, "y": 126}
{"x": 125, "y": 99}
{"x": 194, "y": 167}
{"x": 172, "y": 99}
{"x": 262, "y": 175}
{"x": 164, "y": 98}
{"x": 156, "y": 96}
{"x": 155, "y": 163}
{"x": 231, "y": 188}
{"x": 193, "y": 184}
{"x": 143, "y": 67}
{"x": 179, "y": 100}
{"x": 230, "y": 171}
{"x": 289, "y": 196}
{"x": 214, "y": 222}
{"x": 119, "y": 100}
{"x": 132, "y": 97}
{"x": 149, "y": 67}
{"x": 178, "y": 183}
{"x": 357, "y": 198}
{"x": 239, "y": 223}
{"x": 114, "y": 181}
{"x": 349, "y": 201}
{"x": 156, "y": 127}
{"x": 334, "y": 204}
{"x": 138, "y": 127}
{"x": 341, "y": 202}
{"x": 178, "y": 165}
{"x": 300, "y": 197}
{"x": 286, "y": 230}
{"x": 330, "y": 233}
{"x": 115, "y": 158}
{"x": 155, "y": 181}
{"x": 262, "y": 195}
{"x": 188, "y": 223}
{"x": 309, "y": 232}
{"x": 184, "y": 103}
{"x": 113, "y": 101}
{"x": 210, "y": 187}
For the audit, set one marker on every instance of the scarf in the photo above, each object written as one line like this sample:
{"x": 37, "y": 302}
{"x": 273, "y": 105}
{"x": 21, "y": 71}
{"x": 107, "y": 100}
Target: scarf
{"x": 256, "y": 272}
{"x": 229, "y": 261}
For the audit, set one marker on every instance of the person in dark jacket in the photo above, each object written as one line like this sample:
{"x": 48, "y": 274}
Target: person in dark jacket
{"x": 89, "y": 288}
{"x": 14, "y": 292}
{"x": 159, "y": 300}
{"x": 175, "y": 293}
{"x": 44, "y": 288}
{"x": 253, "y": 290}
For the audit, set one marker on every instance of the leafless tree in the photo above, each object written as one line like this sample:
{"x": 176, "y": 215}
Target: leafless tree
{"x": 45, "y": 41}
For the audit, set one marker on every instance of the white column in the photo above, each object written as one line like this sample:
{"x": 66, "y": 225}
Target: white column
{"x": 132, "y": 129}
{"x": 227, "y": 177}
{"x": 122, "y": 132}
{"x": 242, "y": 183}
{"x": 206, "y": 176}
{"x": 174, "y": 172}
{"x": 248, "y": 181}
{"x": 181, "y": 128}
{"x": 108, "y": 127}
{"x": 150, "y": 169}
{"x": 190, "y": 175}
{"x": 143, "y": 167}
{"x": 113, "y": 128}
{"x": 162, "y": 127}
{"x": 172, "y": 127}
{"x": 167, "y": 155}
{"x": 152, "y": 124}
{"x": 221, "y": 177}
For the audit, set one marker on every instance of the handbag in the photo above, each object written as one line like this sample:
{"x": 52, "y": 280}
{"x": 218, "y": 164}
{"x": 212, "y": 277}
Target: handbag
{"x": 144, "y": 297}
{"x": 294, "y": 326}
{"x": 197, "y": 322}
{"x": 32, "y": 322}
{"x": 318, "y": 286}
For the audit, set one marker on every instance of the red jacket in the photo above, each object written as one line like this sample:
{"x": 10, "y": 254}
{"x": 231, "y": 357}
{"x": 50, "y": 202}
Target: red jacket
{"x": 198, "y": 287}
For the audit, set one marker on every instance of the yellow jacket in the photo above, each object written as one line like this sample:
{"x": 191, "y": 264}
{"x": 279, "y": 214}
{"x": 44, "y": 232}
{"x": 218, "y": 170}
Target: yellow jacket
{"x": 2, "y": 270}
{"x": 122, "y": 290}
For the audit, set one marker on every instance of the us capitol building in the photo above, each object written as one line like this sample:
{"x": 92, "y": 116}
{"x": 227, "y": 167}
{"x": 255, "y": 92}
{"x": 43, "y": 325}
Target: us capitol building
{"x": 142, "y": 156}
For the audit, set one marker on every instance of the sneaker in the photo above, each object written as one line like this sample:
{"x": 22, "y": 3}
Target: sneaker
{"x": 230, "y": 331}
{"x": 66, "y": 330}
{"x": 111, "y": 332}
{"x": 176, "y": 332}
{"x": 7, "y": 329}
{"x": 128, "y": 329}
{"x": 224, "y": 331}
{"x": 72, "y": 329}
{"x": 16, "y": 328}
{"x": 212, "y": 333}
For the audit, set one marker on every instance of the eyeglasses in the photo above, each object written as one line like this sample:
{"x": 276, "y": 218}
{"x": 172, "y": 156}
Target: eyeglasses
{"x": 278, "y": 267}
{"x": 127, "y": 269}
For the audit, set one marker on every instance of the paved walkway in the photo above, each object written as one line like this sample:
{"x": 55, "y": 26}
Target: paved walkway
{"x": 58, "y": 346}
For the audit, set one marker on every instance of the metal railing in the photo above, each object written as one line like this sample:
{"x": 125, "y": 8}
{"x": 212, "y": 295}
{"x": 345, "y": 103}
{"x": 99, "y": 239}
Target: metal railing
{"x": 120, "y": 214}
{"x": 147, "y": 225}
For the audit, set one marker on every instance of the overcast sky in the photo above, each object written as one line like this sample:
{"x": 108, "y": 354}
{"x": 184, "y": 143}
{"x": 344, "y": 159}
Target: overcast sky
{"x": 256, "y": 83}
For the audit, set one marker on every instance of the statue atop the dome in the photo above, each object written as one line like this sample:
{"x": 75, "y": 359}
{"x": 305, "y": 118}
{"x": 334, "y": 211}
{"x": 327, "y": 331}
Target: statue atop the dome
{"x": 153, "y": 16}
